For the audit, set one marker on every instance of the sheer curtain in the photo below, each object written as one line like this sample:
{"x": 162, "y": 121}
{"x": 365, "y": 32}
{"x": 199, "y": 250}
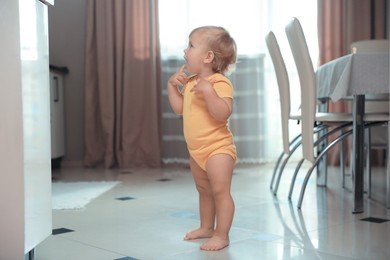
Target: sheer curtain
{"x": 122, "y": 84}
{"x": 255, "y": 121}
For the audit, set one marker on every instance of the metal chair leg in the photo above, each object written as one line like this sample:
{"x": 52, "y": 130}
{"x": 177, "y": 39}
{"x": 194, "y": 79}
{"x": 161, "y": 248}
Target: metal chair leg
{"x": 275, "y": 191}
{"x": 342, "y": 163}
{"x": 314, "y": 165}
{"x": 294, "y": 178}
{"x": 292, "y": 144}
{"x": 276, "y": 169}
{"x": 295, "y": 144}
{"x": 368, "y": 160}
{"x": 388, "y": 167}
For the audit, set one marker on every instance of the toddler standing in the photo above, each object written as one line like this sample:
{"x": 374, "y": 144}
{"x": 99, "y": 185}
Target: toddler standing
{"x": 206, "y": 103}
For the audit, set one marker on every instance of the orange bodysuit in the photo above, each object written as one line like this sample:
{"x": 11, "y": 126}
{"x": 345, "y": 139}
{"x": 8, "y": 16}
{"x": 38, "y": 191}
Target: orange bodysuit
{"x": 206, "y": 136}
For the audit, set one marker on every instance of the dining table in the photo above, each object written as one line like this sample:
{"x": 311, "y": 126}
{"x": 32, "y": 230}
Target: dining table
{"x": 355, "y": 76}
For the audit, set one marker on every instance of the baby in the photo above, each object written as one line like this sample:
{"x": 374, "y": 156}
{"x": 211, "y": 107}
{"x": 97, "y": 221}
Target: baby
{"x": 206, "y": 103}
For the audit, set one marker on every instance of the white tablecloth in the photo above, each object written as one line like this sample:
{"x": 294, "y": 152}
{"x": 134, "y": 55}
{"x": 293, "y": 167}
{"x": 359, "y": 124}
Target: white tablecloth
{"x": 354, "y": 74}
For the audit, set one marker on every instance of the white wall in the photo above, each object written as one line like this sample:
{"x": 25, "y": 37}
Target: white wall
{"x": 67, "y": 19}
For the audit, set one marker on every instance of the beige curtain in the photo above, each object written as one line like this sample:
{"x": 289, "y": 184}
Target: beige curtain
{"x": 342, "y": 22}
{"x": 339, "y": 24}
{"x": 122, "y": 84}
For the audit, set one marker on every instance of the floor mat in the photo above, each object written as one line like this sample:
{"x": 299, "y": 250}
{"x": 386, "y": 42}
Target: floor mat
{"x": 76, "y": 195}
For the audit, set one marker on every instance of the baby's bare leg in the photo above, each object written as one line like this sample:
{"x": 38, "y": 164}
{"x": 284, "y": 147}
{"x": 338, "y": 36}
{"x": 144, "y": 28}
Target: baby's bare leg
{"x": 206, "y": 204}
{"x": 220, "y": 171}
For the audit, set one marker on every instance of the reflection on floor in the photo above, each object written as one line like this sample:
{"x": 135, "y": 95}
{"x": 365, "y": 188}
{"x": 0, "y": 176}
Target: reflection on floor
{"x": 146, "y": 216}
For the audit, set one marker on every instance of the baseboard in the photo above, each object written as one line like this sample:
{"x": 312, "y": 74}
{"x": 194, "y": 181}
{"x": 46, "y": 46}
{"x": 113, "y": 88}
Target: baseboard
{"x": 71, "y": 163}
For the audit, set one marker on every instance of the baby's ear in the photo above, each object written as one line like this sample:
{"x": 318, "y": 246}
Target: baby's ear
{"x": 210, "y": 57}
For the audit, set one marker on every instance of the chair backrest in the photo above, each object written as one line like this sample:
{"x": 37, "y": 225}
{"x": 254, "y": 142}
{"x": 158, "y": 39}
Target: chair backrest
{"x": 375, "y": 45}
{"x": 300, "y": 51}
{"x": 283, "y": 85}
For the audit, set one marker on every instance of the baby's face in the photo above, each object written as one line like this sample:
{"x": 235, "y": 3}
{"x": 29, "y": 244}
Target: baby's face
{"x": 196, "y": 52}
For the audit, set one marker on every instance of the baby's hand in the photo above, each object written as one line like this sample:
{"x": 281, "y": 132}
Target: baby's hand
{"x": 202, "y": 86}
{"x": 179, "y": 78}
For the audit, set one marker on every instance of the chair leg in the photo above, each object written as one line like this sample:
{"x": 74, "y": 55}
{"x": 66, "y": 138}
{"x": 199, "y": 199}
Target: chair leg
{"x": 276, "y": 169}
{"x": 342, "y": 163}
{"x": 351, "y": 165}
{"x": 388, "y": 167}
{"x": 322, "y": 169}
{"x": 368, "y": 160}
{"x": 314, "y": 165}
{"x": 322, "y": 139}
{"x": 292, "y": 144}
{"x": 294, "y": 178}
{"x": 282, "y": 168}
{"x": 322, "y": 180}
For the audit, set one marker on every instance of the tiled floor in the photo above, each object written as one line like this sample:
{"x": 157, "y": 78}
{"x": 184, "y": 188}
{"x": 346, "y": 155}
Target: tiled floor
{"x": 146, "y": 216}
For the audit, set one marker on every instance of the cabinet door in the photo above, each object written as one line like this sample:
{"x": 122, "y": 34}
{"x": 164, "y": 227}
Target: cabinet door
{"x": 25, "y": 186}
{"x": 36, "y": 121}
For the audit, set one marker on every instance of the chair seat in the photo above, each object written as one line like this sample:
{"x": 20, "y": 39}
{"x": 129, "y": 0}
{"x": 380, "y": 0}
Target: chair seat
{"x": 333, "y": 117}
{"x": 377, "y": 116}
{"x": 347, "y": 117}
{"x": 296, "y": 115}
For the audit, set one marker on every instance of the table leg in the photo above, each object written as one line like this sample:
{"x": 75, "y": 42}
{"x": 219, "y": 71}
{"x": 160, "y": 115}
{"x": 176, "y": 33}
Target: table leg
{"x": 322, "y": 168}
{"x": 358, "y": 153}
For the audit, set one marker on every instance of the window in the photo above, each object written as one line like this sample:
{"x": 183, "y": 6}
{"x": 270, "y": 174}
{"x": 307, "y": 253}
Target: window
{"x": 256, "y": 108}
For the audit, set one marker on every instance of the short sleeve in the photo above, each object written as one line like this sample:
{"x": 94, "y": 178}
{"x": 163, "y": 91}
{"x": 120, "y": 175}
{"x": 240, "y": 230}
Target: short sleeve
{"x": 222, "y": 86}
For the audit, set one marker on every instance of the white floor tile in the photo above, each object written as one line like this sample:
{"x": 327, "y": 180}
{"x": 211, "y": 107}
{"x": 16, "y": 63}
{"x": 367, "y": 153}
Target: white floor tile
{"x": 164, "y": 206}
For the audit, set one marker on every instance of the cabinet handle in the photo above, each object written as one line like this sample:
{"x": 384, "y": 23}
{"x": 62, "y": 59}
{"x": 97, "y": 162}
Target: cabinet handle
{"x": 56, "y": 94}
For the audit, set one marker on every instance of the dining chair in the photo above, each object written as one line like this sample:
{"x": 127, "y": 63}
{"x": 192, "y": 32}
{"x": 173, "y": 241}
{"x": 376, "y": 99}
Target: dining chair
{"x": 341, "y": 121}
{"x": 285, "y": 109}
{"x": 376, "y": 137}
{"x": 374, "y": 45}
{"x": 289, "y": 147}
{"x": 310, "y": 116}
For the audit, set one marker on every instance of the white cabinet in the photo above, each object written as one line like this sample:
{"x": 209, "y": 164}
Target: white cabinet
{"x": 25, "y": 186}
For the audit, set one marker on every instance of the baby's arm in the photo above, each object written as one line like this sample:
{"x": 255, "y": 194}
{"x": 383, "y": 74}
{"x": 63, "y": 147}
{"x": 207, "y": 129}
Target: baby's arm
{"x": 219, "y": 108}
{"x": 175, "y": 97}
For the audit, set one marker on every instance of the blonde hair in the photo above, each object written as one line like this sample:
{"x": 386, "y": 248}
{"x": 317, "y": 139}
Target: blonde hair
{"x": 222, "y": 45}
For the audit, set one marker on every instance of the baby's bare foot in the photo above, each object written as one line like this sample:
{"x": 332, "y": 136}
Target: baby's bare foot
{"x": 215, "y": 243}
{"x": 199, "y": 233}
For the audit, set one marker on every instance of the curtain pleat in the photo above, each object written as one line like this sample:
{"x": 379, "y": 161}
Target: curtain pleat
{"x": 342, "y": 22}
{"x": 122, "y": 85}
